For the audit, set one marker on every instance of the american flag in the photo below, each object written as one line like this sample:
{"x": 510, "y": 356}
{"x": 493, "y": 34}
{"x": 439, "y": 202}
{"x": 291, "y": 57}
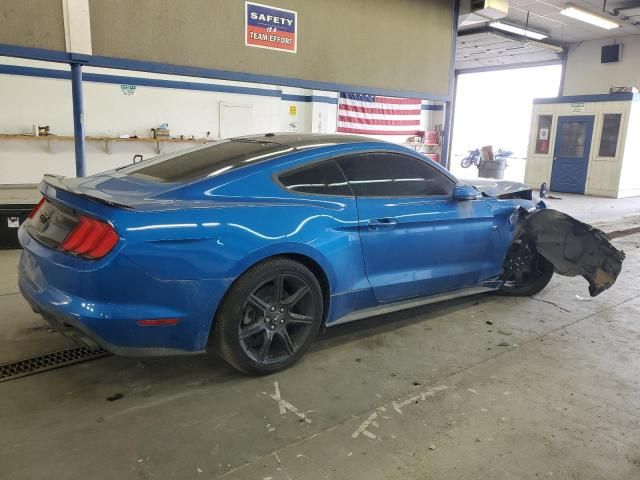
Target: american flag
{"x": 376, "y": 115}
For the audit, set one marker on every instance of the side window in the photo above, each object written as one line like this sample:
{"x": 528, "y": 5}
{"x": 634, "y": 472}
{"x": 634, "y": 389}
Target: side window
{"x": 543, "y": 134}
{"x": 610, "y": 132}
{"x": 319, "y": 179}
{"x": 394, "y": 175}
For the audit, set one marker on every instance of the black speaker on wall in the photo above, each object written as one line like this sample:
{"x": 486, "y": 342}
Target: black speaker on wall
{"x": 610, "y": 54}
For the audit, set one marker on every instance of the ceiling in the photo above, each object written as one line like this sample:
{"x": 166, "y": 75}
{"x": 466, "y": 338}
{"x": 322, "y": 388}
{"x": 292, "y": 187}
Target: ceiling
{"x": 481, "y": 47}
{"x": 545, "y": 16}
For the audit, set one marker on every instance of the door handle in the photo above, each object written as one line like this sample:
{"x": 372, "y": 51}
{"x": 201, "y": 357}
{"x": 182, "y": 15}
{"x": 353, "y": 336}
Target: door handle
{"x": 382, "y": 223}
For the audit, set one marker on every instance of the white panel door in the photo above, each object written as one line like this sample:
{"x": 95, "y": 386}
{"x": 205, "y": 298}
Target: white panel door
{"x": 235, "y": 120}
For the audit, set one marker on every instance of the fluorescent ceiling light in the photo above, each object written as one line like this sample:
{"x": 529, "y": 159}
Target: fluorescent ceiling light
{"x": 518, "y": 30}
{"x": 588, "y": 17}
{"x": 547, "y": 46}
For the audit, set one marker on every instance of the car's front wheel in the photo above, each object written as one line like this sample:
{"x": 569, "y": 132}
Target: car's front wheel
{"x": 270, "y": 317}
{"x": 526, "y": 272}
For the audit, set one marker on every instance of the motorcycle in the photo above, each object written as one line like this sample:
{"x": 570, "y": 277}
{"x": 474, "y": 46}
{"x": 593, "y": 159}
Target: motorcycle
{"x": 474, "y": 158}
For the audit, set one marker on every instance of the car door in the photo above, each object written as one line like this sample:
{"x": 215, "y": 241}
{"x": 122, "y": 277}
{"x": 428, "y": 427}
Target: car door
{"x": 416, "y": 239}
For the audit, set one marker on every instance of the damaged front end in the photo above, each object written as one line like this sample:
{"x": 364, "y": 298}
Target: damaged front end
{"x": 574, "y": 248}
{"x": 502, "y": 189}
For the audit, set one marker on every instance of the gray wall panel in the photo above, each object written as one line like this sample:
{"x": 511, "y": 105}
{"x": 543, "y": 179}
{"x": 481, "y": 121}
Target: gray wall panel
{"x": 32, "y": 23}
{"x": 398, "y": 45}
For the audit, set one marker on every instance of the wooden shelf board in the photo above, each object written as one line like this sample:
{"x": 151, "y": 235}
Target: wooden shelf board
{"x": 5, "y": 136}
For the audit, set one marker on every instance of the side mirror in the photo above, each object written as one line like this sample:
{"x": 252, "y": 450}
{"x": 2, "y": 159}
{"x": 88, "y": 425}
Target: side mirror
{"x": 465, "y": 192}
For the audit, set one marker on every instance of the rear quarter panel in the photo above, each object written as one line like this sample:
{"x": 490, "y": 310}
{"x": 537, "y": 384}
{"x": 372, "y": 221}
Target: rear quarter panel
{"x": 239, "y": 224}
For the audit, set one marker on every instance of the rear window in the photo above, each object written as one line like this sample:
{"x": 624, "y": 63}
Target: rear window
{"x": 205, "y": 161}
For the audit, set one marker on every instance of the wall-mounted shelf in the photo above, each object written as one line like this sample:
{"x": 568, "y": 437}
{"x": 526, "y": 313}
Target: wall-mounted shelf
{"x": 420, "y": 147}
{"x": 52, "y": 139}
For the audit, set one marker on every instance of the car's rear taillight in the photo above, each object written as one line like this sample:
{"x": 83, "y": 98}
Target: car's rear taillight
{"x": 36, "y": 208}
{"x": 90, "y": 238}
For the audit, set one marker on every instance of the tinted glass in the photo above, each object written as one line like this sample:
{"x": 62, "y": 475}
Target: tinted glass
{"x": 320, "y": 179}
{"x": 394, "y": 175}
{"x": 610, "y": 132}
{"x": 205, "y": 161}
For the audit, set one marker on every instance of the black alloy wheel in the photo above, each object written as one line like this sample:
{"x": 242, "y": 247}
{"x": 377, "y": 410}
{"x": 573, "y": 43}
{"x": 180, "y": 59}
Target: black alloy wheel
{"x": 276, "y": 319}
{"x": 270, "y": 316}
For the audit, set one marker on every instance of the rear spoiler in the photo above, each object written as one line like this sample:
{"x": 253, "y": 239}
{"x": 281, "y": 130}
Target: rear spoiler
{"x": 56, "y": 182}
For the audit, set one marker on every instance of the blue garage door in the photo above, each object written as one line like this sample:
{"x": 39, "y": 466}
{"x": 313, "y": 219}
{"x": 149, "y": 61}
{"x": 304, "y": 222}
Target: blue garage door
{"x": 571, "y": 156}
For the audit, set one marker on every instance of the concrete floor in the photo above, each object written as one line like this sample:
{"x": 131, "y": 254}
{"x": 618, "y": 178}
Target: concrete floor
{"x": 597, "y": 210}
{"x": 484, "y": 387}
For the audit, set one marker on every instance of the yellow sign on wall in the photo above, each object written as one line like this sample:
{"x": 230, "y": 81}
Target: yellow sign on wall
{"x": 293, "y": 110}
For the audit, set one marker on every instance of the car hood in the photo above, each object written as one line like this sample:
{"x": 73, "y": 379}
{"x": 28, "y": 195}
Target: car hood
{"x": 502, "y": 188}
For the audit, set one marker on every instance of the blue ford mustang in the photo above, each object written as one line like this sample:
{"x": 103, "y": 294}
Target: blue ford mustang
{"x": 252, "y": 244}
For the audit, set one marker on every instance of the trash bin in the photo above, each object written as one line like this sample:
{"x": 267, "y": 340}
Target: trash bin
{"x": 492, "y": 169}
{"x": 11, "y": 217}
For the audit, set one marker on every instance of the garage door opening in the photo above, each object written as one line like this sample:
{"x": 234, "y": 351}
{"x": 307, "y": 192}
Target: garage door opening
{"x": 494, "y": 108}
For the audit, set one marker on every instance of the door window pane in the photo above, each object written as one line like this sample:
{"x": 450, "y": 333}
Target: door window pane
{"x": 543, "y": 133}
{"x": 394, "y": 175}
{"x": 320, "y": 179}
{"x": 573, "y": 136}
{"x": 610, "y": 132}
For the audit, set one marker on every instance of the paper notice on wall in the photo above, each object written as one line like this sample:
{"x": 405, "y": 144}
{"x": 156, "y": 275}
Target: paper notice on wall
{"x": 128, "y": 90}
{"x": 544, "y": 134}
{"x": 293, "y": 110}
{"x": 13, "y": 222}
{"x": 271, "y": 27}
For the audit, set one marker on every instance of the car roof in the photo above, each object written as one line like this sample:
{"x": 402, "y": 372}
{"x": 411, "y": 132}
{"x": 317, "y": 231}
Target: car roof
{"x": 200, "y": 163}
{"x": 308, "y": 140}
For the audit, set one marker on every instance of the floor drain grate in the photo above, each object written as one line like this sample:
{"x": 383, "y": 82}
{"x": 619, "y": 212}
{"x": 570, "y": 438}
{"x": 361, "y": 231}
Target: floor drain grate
{"x": 49, "y": 361}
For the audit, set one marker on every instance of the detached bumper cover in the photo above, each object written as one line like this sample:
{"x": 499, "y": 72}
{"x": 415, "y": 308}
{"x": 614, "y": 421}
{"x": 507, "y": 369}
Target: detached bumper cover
{"x": 574, "y": 248}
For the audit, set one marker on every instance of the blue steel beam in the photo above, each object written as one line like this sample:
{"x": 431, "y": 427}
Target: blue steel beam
{"x": 78, "y": 120}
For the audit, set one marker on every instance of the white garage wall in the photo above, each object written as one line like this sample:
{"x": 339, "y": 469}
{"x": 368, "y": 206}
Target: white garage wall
{"x": 630, "y": 172}
{"x": 29, "y": 100}
{"x": 585, "y": 75}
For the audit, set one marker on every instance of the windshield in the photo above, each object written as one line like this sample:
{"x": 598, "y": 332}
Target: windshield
{"x": 206, "y": 161}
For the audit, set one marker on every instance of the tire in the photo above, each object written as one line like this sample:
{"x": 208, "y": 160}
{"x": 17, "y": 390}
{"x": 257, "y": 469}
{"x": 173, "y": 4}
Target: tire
{"x": 526, "y": 272}
{"x": 260, "y": 331}
{"x": 466, "y": 162}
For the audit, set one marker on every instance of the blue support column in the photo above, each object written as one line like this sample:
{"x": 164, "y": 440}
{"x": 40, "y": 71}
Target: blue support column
{"x": 78, "y": 119}
{"x": 563, "y": 74}
{"x": 446, "y": 135}
{"x": 447, "y": 132}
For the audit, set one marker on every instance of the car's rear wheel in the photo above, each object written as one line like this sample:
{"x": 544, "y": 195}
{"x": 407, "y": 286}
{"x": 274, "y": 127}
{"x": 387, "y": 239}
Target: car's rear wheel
{"x": 270, "y": 317}
{"x": 526, "y": 272}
